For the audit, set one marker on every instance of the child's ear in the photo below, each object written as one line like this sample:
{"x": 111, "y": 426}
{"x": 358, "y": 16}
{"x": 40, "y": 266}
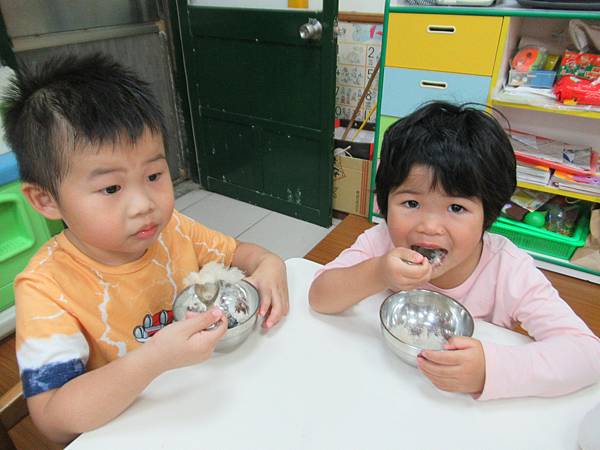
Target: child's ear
{"x": 42, "y": 201}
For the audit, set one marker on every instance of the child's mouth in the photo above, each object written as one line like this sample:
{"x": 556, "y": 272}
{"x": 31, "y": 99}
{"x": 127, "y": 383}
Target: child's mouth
{"x": 147, "y": 232}
{"x": 435, "y": 256}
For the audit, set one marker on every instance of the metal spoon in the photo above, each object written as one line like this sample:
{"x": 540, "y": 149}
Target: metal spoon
{"x": 201, "y": 297}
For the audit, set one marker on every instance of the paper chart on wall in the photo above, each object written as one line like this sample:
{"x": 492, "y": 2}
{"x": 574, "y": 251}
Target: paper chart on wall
{"x": 359, "y": 48}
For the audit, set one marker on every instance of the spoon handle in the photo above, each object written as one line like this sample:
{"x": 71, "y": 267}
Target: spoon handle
{"x": 410, "y": 263}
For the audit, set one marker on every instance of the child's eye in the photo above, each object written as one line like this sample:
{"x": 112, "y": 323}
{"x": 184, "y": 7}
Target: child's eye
{"x": 455, "y": 208}
{"x": 111, "y": 189}
{"x": 154, "y": 176}
{"x": 411, "y": 204}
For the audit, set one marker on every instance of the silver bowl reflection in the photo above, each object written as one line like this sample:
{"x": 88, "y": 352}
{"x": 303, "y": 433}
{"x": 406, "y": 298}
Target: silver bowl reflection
{"x": 412, "y": 321}
{"x": 236, "y": 335}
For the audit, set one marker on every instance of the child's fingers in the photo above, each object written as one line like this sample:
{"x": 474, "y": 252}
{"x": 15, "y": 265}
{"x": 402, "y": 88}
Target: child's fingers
{"x": 411, "y": 271}
{"x": 285, "y": 299}
{"x": 214, "y": 334}
{"x": 206, "y": 340}
{"x": 191, "y": 314}
{"x": 196, "y": 322}
{"x": 265, "y": 300}
{"x": 426, "y": 368}
{"x": 408, "y": 256}
{"x": 407, "y": 270}
{"x": 264, "y": 323}
{"x": 438, "y": 371}
{"x": 278, "y": 310}
{"x": 460, "y": 343}
{"x": 443, "y": 384}
{"x": 265, "y": 304}
{"x": 445, "y": 358}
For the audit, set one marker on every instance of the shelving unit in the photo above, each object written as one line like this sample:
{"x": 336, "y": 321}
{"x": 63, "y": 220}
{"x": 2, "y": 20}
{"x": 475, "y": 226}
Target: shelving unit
{"x": 548, "y": 109}
{"x": 552, "y": 190}
{"x": 464, "y": 55}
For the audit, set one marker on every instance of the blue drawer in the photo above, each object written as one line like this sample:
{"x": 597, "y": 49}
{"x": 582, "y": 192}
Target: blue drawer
{"x": 404, "y": 90}
{"x": 9, "y": 169}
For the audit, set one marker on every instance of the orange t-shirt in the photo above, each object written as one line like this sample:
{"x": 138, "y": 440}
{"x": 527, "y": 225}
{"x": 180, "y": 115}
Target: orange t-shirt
{"x": 75, "y": 314}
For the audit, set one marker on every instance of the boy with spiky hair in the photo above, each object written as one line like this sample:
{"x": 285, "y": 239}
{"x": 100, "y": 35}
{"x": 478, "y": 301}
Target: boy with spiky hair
{"x": 89, "y": 139}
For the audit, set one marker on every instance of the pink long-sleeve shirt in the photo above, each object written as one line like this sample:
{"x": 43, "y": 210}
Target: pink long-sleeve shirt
{"x": 506, "y": 288}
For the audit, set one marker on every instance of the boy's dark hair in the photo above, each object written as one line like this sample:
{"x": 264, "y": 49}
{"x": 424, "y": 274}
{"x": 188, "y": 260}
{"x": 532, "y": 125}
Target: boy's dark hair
{"x": 467, "y": 150}
{"x": 69, "y": 103}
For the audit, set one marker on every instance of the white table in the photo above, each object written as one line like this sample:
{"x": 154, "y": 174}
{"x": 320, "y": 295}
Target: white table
{"x": 329, "y": 382}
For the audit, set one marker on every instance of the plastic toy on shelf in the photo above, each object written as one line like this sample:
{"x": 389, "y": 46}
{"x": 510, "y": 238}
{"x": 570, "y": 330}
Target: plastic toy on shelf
{"x": 529, "y": 68}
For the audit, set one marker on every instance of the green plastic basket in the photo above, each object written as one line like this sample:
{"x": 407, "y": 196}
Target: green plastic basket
{"x": 541, "y": 240}
{"x": 23, "y": 231}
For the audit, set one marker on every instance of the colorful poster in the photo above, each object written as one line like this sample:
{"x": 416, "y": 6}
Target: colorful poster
{"x": 359, "y": 48}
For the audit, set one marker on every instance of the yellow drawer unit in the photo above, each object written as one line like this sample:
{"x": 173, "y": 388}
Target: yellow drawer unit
{"x": 445, "y": 43}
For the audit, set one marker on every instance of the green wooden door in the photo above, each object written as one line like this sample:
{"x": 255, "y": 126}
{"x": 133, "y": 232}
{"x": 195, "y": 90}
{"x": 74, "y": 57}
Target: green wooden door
{"x": 262, "y": 101}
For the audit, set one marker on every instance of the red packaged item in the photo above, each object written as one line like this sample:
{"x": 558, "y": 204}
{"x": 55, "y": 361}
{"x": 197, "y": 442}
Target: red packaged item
{"x": 582, "y": 65}
{"x": 577, "y": 91}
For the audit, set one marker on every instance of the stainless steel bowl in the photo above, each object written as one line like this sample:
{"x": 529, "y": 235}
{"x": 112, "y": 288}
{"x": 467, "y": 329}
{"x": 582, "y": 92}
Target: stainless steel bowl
{"x": 412, "y": 321}
{"x": 238, "y": 334}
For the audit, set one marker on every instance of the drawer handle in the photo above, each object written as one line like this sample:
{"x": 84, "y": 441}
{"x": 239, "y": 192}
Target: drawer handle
{"x": 433, "y": 84}
{"x": 441, "y": 29}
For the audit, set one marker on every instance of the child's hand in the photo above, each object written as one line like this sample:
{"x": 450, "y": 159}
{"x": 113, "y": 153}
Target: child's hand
{"x": 460, "y": 369}
{"x": 188, "y": 341}
{"x": 270, "y": 279}
{"x": 400, "y": 275}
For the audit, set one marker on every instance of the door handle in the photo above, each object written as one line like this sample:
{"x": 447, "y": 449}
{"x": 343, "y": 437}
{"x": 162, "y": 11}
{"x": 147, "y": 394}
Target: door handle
{"x": 311, "y": 30}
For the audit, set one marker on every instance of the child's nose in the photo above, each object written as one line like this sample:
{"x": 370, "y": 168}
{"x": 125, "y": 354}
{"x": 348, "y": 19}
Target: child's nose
{"x": 141, "y": 203}
{"x": 431, "y": 224}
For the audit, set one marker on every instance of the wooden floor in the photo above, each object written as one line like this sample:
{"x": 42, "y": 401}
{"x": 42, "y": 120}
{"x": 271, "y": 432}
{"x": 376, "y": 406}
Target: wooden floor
{"x": 584, "y": 298}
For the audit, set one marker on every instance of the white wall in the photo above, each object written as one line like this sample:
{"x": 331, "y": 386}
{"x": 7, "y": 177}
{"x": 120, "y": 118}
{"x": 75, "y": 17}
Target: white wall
{"x": 363, "y": 6}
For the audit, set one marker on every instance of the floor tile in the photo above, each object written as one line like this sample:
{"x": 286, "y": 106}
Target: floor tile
{"x": 285, "y": 236}
{"x": 225, "y": 214}
{"x": 187, "y": 200}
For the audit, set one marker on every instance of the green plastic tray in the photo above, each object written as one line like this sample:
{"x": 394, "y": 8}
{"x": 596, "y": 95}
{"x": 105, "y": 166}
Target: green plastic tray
{"x": 541, "y": 240}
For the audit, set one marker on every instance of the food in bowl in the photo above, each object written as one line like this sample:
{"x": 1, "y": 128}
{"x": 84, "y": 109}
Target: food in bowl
{"x": 238, "y": 301}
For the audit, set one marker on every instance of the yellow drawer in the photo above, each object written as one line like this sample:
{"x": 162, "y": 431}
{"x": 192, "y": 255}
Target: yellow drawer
{"x": 443, "y": 42}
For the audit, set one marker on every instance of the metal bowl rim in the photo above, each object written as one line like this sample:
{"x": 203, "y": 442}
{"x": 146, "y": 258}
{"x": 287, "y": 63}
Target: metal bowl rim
{"x": 381, "y": 321}
{"x": 253, "y": 315}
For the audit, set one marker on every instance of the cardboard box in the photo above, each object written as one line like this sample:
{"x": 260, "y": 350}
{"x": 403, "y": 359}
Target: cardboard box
{"x": 361, "y": 146}
{"x": 351, "y": 185}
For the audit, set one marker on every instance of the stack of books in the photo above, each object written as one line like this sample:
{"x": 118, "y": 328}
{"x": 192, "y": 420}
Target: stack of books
{"x": 530, "y": 173}
{"x": 546, "y": 162}
{"x": 554, "y": 154}
{"x": 583, "y": 184}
